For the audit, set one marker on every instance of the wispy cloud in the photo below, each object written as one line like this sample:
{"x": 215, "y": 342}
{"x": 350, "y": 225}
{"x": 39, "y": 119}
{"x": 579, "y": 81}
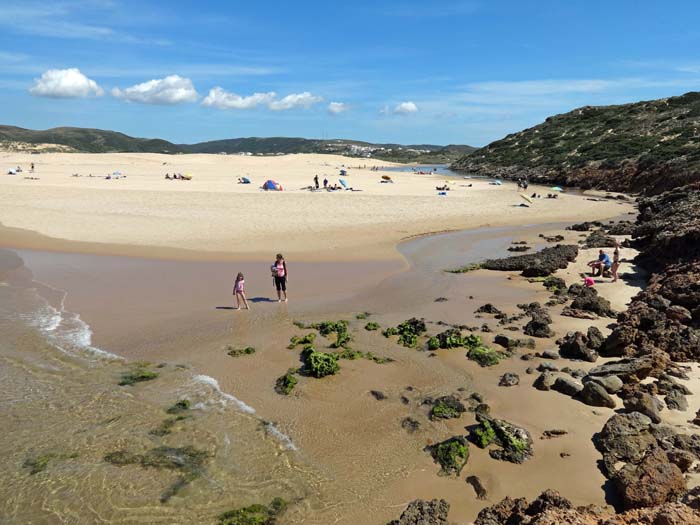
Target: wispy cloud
{"x": 336, "y": 108}
{"x": 295, "y": 100}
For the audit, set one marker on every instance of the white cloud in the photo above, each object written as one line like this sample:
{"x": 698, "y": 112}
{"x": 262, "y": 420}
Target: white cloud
{"x": 295, "y": 100}
{"x": 172, "y": 89}
{"x": 222, "y": 99}
{"x": 65, "y": 83}
{"x": 336, "y": 108}
{"x": 405, "y": 108}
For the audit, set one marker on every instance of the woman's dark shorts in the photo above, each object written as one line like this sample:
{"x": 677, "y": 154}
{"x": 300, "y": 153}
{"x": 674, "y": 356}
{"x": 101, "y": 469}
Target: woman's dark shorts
{"x": 281, "y": 283}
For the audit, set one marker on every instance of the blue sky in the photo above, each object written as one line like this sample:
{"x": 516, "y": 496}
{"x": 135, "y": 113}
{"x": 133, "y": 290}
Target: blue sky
{"x": 446, "y": 71}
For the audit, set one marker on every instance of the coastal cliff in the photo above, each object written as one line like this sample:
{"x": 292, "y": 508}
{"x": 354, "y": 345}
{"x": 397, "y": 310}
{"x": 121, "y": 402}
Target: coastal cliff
{"x": 645, "y": 147}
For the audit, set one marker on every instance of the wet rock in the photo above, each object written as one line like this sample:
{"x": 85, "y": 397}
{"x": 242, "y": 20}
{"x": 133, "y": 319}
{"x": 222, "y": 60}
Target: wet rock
{"x": 567, "y": 386}
{"x": 447, "y": 407}
{"x": 644, "y": 404}
{"x": 422, "y": 512}
{"x": 540, "y": 264}
{"x": 379, "y": 396}
{"x": 452, "y": 454}
{"x": 545, "y": 381}
{"x": 514, "y": 443}
{"x": 529, "y": 370}
{"x": 554, "y": 433}
{"x": 488, "y": 308}
{"x": 478, "y": 487}
{"x": 675, "y": 400}
{"x": 595, "y": 395}
{"x": 509, "y": 379}
{"x": 651, "y": 482}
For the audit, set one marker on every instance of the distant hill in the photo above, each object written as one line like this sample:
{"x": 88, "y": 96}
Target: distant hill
{"x": 102, "y": 141}
{"x": 643, "y": 147}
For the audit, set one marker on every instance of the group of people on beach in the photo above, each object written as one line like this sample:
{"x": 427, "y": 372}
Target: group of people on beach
{"x": 279, "y": 274}
{"x": 603, "y": 266}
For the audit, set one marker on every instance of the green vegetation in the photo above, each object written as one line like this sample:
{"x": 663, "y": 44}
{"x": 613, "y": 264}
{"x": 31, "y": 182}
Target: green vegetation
{"x": 286, "y": 383}
{"x": 466, "y": 269}
{"x": 484, "y": 355}
{"x": 408, "y": 332}
{"x": 433, "y": 343}
{"x": 641, "y": 137}
{"x": 484, "y": 434}
{"x": 296, "y": 340}
{"x": 254, "y": 514}
{"x": 137, "y": 374}
{"x": 363, "y": 315}
{"x": 166, "y": 427}
{"x": 447, "y": 407}
{"x": 340, "y": 328}
{"x": 372, "y": 326}
{"x": 183, "y": 405}
{"x": 237, "y": 352}
{"x": 37, "y": 464}
{"x": 320, "y": 364}
{"x": 452, "y": 454}
{"x": 356, "y": 354}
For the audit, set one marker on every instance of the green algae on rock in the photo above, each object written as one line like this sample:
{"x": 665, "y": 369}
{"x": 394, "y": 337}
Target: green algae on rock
{"x": 255, "y": 514}
{"x": 515, "y": 443}
{"x": 452, "y": 454}
{"x": 296, "y": 340}
{"x": 408, "y": 332}
{"x": 183, "y": 405}
{"x": 372, "y": 326}
{"x": 320, "y": 364}
{"x": 447, "y": 407}
{"x": 286, "y": 383}
{"x": 138, "y": 374}
{"x": 237, "y": 352}
{"x": 37, "y": 464}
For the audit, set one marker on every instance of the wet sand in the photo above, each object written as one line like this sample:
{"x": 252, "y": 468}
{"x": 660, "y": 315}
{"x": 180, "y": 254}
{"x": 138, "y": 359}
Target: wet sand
{"x": 167, "y": 311}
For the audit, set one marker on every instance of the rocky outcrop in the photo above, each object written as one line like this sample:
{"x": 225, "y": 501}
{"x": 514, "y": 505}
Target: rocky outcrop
{"x": 540, "y": 264}
{"x": 550, "y": 508}
{"x": 422, "y": 512}
{"x": 588, "y": 300}
{"x": 512, "y": 443}
{"x": 576, "y": 345}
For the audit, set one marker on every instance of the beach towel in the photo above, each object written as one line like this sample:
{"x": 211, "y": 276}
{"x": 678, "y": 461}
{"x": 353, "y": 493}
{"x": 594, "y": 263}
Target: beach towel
{"x": 245, "y": 180}
{"x": 343, "y": 184}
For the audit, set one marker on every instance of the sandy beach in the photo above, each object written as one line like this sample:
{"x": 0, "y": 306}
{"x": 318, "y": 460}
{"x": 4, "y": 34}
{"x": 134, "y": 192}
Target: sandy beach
{"x": 211, "y": 216}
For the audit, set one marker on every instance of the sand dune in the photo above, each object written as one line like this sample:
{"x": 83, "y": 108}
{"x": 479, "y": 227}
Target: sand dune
{"x": 212, "y": 213}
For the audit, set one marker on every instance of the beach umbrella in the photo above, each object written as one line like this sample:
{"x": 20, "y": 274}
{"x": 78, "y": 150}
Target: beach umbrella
{"x": 556, "y": 188}
{"x": 272, "y": 185}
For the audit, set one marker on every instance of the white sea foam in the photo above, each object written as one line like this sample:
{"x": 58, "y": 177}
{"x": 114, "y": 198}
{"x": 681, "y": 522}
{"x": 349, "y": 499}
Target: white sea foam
{"x": 225, "y": 397}
{"x": 286, "y": 441}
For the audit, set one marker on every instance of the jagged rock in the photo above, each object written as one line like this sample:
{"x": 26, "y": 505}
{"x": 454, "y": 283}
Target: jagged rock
{"x": 538, "y": 326}
{"x": 651, "y": 482}
{"x": 595, "y": 395}
{"x": 681, "y": 458}
{"x": 625, "y": 438}
{"x": 567, "y": 386}
{"x": 540, "y": 264}
{"x": 578, "y": 314}
{"x": 446, "y": 407}
{"x": 675, "y": 400}
{"x": 422, "y": 512}
{"x": 576, "y": 345}
{"x": 644, "y": 404}
{"x": 599, "y": 239}
{"x": 545, "y": 381}
{"x": 587, "y": 299}
{"x": 584, "y": 226}
{"x": 547, "y": 367}
{"x": 550, "y": 354}
{"x": 378, "y": 395}
{"x": 509, "y": 379}
{"x": 514, "y": 443}
{"x": 410, "y": 425}
{"x": 488, "y": 308}
{"x": 595, "y": 337}
{"x": 633, "y": 370}
{"x": 612, "y": 384}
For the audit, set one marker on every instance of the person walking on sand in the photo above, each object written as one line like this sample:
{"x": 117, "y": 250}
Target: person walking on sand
{"x": 280, "y": 274}
{"x": 239, "y": 292}
{"x": 616, "y": 262}
{"x": 316, "y": 181}
{"x": 325, "y": 182}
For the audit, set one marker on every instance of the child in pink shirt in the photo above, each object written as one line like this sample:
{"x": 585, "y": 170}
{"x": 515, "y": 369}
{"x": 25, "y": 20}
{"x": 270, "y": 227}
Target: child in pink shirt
{"x": 239, "y": 292}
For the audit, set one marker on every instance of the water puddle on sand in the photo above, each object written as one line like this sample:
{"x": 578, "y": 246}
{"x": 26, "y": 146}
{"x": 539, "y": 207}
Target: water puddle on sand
{"x": 331, "y": 446}
{"x": 63, "y": 412}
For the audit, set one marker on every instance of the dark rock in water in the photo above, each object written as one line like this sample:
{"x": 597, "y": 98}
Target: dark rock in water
{"x": 555, "y": 433}
{"x": 452, "y": 454}
{"x": 611, "y": 384}
{"x": 409, "y": 424}
{"x": 644, "y": 404}
{"x": 488, "y": 308}
{"x": 447, "y": 407}
{"x": 515, "y": 443}
{"x": 421, "y": 512}
{"x": 576, "y": 345}
{"x": 529, "y": 370}
{"x": 651, "y": 482}
{"x": 509, "y": 379}
{"x": 441, "y": 300}
{"x": 545, "y": 381}
{"x": 587, "y": 299}
{"x": 567, "y": 386}
{"x": 584, "y": 226}
{"x": 675, "y": 400}
{"x": 540, "y": 264}
{"x": 405, "y": 400}
{"x": 379, "y": 396}
{"x": 478, "y": 487}
{"x": 595, "y": 395}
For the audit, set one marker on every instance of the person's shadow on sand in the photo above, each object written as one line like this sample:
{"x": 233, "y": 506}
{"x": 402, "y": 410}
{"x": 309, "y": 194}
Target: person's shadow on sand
{"x": 252, "y": 300}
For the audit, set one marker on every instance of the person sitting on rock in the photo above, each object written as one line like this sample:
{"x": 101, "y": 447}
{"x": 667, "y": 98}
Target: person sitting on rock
{"x": 602, "y": 264}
